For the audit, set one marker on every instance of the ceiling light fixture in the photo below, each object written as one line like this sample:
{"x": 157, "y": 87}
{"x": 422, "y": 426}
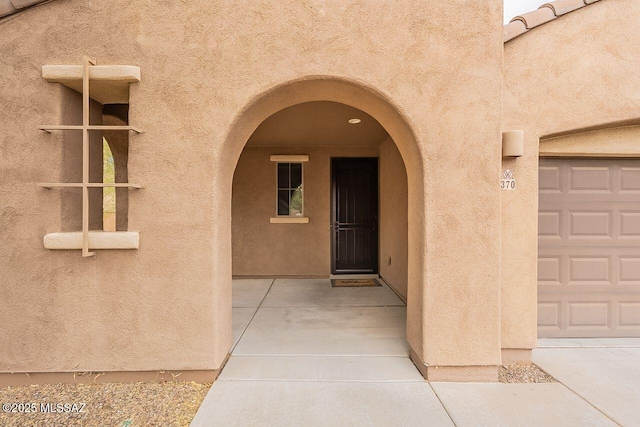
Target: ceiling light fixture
{"x": 354, "y": 121}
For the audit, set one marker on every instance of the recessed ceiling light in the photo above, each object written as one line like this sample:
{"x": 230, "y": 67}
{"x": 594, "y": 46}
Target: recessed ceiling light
{"x": 354, "y": 121}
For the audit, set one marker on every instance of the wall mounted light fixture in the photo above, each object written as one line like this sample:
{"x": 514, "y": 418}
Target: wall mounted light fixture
{"x": 512, "y": 143}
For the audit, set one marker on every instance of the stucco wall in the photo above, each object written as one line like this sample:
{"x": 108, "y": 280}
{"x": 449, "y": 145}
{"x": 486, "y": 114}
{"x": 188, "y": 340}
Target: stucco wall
{"x": 261, "y": 248}
{"x": 567, "y": 76}
{"x": 434, "y": 84}
{"x": 393, "y": 217}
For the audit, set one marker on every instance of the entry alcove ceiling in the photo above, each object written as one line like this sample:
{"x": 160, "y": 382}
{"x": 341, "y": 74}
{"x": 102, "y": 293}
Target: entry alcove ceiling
{"x": 318, "y": 123}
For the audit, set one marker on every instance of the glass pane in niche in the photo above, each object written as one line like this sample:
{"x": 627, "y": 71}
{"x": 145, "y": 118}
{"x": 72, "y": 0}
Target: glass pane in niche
{"x": 296, "y": 175}
{"x": 295, "y": 206}
{"x": 283, "y": 175}
{"x": 283, "y": 202}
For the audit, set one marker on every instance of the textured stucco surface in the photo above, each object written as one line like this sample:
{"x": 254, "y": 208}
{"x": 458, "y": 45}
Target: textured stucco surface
{"x": 393, "y": 217}
{"x": 434, "y": 85}
{"x": 571, "y": 74}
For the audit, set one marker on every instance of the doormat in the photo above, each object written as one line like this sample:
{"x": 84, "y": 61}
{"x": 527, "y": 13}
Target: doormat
{"x": 354, "y": 283}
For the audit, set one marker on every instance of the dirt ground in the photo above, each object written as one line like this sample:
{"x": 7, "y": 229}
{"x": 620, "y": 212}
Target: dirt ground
{"x": 109, "y": 404}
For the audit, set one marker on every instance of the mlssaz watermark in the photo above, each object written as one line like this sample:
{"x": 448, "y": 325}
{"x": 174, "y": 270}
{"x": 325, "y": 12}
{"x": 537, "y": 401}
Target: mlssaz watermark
{"x": 51, "y": 408}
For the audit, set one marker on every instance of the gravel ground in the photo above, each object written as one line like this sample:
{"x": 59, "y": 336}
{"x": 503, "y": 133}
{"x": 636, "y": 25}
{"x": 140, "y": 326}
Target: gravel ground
{"x": 523, "y": 373}
{"x": 109, "y": 404}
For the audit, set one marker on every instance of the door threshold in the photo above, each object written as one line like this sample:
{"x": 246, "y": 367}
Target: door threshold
{"x": 354, "y": 276}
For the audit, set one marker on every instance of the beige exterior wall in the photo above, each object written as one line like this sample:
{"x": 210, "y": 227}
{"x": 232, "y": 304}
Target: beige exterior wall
{"x": 393, "y": 218}
{"x": 434, "y": 84}
{"x": 264, "y": 249}
{"x": 568, "y": 76}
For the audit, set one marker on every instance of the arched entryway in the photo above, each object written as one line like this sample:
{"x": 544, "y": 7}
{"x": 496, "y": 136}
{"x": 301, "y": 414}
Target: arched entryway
{"x": 320, "y": 189}
{"x": 347, "y": 93}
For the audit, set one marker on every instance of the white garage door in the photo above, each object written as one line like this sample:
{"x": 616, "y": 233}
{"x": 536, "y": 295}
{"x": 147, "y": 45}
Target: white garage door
{"x": 589, "y": 248}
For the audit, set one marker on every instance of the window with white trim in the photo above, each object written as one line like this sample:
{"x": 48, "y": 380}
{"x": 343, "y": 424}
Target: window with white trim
{"x": 290, "y": 188}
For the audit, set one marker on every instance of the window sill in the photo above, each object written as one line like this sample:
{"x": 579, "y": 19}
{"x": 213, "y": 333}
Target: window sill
{"x": 97, "y": 240}
{"x": 109, "y": 83}
{"x": 291, "y": 220}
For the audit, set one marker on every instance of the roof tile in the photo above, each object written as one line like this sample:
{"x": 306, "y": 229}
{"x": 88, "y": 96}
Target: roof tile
{"x": 537, "y": 17}
{"x": 560, "y": 7}
{"x": 514, "y": 29}
{"x": 19, "y": 4}
{"x": 6, "y": 8}
{"x": 547, "y": 12}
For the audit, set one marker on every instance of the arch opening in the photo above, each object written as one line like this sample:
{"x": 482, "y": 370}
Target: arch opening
{"x": 252, "y": 139}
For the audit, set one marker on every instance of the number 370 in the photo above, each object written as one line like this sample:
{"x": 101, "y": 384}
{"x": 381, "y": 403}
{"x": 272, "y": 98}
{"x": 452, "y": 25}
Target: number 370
{"x": 508, "y": 184}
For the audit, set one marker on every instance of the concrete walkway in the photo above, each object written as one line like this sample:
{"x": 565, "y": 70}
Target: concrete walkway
{"x": 605, "y": 372}
{"x": 307, "y": 354}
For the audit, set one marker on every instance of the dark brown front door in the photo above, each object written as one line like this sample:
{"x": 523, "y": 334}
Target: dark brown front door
{"x": 354, "y": 215}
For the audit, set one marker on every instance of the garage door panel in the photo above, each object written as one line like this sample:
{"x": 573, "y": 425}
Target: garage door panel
{"x": 549, "y": 179}
{"x": 595, "y": 202}
{"x": 589, "y": 270}
{"x": 590, "y": 179}
{"x": 579, "y": 245}
{"x": 630, "y": 180}
{"x": 549, "y": 224}
{"x": 594, "y": 224}
{"x": 590, "y": 315}
{"x": 630, "y": 224}
{"x": 550, "y": 270}
{"x": 629, "y": 315}
{"x": 549, "y": 316}
{"x": 629, "y": 270}
{"x": 589, "y": 248}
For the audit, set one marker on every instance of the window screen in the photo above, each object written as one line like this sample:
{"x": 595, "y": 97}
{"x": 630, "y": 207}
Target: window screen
{"x": 290, "y": 189}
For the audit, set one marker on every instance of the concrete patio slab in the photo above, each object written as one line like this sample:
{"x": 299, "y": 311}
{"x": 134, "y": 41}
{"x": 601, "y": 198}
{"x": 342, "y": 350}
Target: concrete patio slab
{"x": 344, "y": 331}
{"x": 240, "y": 318}
{"x": 250, "y": 292}
{"x": 314, "y": 368}
{"x": 609, "y": 378}
{"x": 265, "y": 403}
{"x": 316, "y": 355}
{"x": 318, "y": 292}
{"x": 588, "y": 342}
{"x": 484, "y": 404}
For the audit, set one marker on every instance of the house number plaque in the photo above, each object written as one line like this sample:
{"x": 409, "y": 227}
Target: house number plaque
{"x": 508, "y": 182}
